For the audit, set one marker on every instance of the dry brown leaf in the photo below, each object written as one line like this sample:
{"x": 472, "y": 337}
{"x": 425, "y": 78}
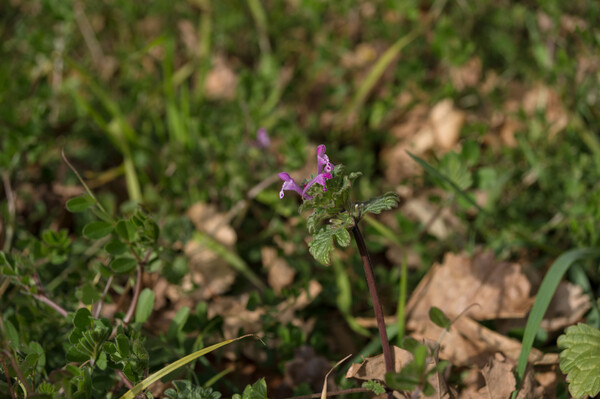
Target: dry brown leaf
{"x": 421, "y": 131}
{"x": 280, "y": 274}
{"x": 221, "y": 81}
{"x": 543, "y": 98}
{"x": 373, "y": 368}
{"x": 568, "y": 306}
{"x": 497, "y": 289}
{"x": 307, "y": 367}
{"x": 467, "y": 75}
{"x": 499, "y": 378}
{"x": 446, "y": 122}
{"x": 207, "y": 270}
{"x": 439, "y": 222}
{"x": 189, "y": 36}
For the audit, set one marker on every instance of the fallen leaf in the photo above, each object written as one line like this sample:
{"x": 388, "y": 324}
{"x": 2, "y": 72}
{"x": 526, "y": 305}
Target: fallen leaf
{"x": 568, "y": 306}
{"x": 221, "y": 81}
{"x": 280, "y": 274}
{"x": 207, "y": 270}
{"x": 466, "y": 75}
{"x": 488, "y": 288}
{"x": 309, "y": 368}
{"x": 446, "y": 122}
{"x": 373, "y": 368}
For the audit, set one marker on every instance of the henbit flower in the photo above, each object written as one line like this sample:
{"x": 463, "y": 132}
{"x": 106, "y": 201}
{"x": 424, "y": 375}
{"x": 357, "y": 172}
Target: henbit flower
{"x": 319, "y": 179}
{"x": 289, "y": 184}
{"x": 324, "y": 172}
{"x": 323, "y": 161}
{"x": 262, "y": 138}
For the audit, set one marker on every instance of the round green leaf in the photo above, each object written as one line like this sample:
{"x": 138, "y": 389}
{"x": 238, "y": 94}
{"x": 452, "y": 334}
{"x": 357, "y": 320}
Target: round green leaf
{"x": 123, "y": 265}
{"x": 95, "y": 230}
{"x": 126, "y": 230}
{"x": 115, "y": 247}
{"x": 82, "y": 318}
{"x": 438, "y": 317}
{"x": 79, "y": 204}
{"x": 145, "y": 305}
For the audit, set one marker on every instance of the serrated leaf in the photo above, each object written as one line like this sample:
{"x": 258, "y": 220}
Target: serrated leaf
{"x": 145, "y": 305}
{"x": 452, "y": 167}
{"x": 580, "y": 359}
{"x": 438, "y": 317}
{"x": 342, "y": 237}
{"x": 95, "y": 230}
{"x": 79, "y": 204}
{"x": 123, "y": 265}
{"x": 374, "y": 386}
{"x": 322, "y": 245}
{"x": 377, "y": 205}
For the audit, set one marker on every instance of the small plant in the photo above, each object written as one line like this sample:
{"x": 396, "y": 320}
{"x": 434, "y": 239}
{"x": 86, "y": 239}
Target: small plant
{"x": 333, "y": 214}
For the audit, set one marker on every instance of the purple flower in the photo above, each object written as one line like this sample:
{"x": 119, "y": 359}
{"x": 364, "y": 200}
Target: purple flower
{"x": 262, "y": 138}
{"x": 320, "y": 179}
{"x": 323, "y": 160}
{"x": 289, "y": 184}
{"x": 323, "y": 174}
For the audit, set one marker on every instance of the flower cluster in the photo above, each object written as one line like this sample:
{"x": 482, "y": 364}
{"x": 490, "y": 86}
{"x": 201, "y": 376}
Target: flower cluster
{"x": 324, "y": 170}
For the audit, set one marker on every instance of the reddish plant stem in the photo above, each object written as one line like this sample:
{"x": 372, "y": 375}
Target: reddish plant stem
{"x": 51, "y": 303}
{"x": 370, "y": 276}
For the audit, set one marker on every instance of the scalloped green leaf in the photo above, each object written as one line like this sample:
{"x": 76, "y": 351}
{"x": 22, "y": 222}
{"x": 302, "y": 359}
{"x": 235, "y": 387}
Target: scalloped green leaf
{"x": 96, "y": 230}
{"x": 79, "y": 204}
{"x": 322, "y": 245}
{"x": 342, "y": 237}
{"x": 580, "y": 359}
{"x": 377, "y": 205}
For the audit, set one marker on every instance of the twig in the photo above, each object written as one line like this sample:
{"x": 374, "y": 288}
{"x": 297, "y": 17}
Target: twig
{"x": 370, "y": 276}
{"x": 98, "y": 308}
{"x": 51, "y": 303}
{"x": 8, "y": 379}
{"x": 124, "y": 379}
{"x": 15, "y": 366}
{"x": 137, "y": 289}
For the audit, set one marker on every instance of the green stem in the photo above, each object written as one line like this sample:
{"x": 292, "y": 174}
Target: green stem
{"x": 370, "y": 276}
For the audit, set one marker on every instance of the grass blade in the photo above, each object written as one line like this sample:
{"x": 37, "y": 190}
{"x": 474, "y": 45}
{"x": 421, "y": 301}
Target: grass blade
{"x": 435, "y": 173}
{"x": 174, "y": 366}
{"x": 544, "y": 295}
